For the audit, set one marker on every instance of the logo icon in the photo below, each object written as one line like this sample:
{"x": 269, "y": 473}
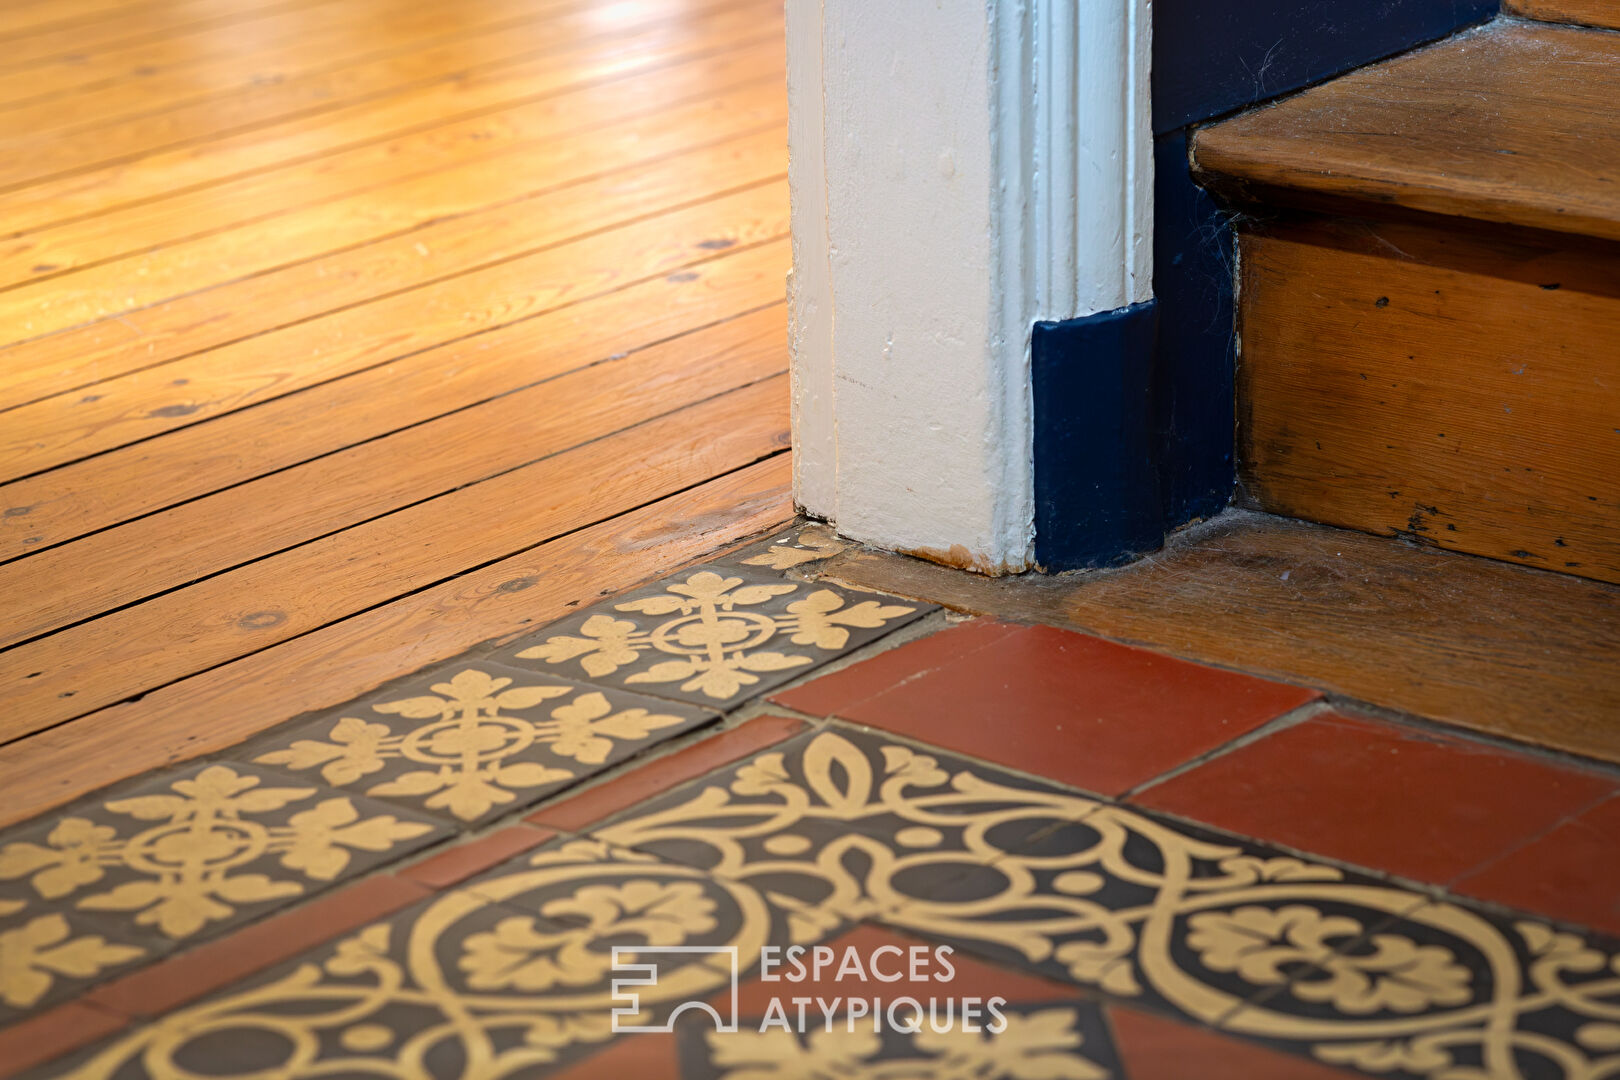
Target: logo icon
{"x": 640, "y": 966}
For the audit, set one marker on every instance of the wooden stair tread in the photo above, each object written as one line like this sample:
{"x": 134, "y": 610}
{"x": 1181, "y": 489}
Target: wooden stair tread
{"x": 1512, "y": 123}
{"x": 1587, "y": 12}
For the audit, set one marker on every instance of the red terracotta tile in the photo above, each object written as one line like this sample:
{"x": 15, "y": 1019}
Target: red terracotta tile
{"x": 455, "y": 865}
{"x": 53, "y": 1034}
{"x": 633, "y": 1057}
{"x": 606, "y": 799}
{"x": 1380, "y": 795}
{"x": 188, "y": 975}
{"x": 1569, "y": 873}
{"x": 1153, "y": 1048}
{"x": 832, "y": 694}
{"x": 1066, "y": 706}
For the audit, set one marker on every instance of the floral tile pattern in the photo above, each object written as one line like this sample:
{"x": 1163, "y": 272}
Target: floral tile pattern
{"x": 47, "y": 956}
{"x": 1042, "y": 1042}
{"x": 1447, "y": 992}
{"x": 498, "y": 981}
{"x": 801, "y": 547}
{"x": 1084, "y": 911}
{"x": 1323, "y": 961}
{"x": 476, "y": 741}
{"x": 130, "y": 876}
{"x": 843, "y": 825}
{"x": 712, "y": 638}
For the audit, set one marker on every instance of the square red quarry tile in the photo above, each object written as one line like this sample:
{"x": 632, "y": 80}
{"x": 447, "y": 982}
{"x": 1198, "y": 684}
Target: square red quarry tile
{"x": 1569, "y": 873}
{"x": 1380, "y": 795}
{"x": 1066, "y": 706}
{"x": 455, "y": 865}
{"x": 831, "y": 694}
{"x": 622, "y": 792}
{"x": 188, "y": 975}
{"x": 53, "y": 1034}
{"x": 1153, "y": 1048}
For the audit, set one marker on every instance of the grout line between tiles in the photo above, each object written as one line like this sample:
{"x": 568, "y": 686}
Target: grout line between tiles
{"x": 1294, "y": 716}
{"x": 1567, "y": 819}
{"x": 1455, "y": 733}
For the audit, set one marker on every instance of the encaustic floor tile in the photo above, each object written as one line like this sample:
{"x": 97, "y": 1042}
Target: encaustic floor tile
{"x": 802, "y": 547}
{"x": 1154, "y": 1048}
{"x": 712, "y": 637}
{"x": 1156, "y": 913}
{"x": 973, "y": 1019}
{"x": 510, "y": 978}
{"x": 187, "y": 854}
{"x": 1034, "y": 1042}
{"x": 1451, "y": 991}
{"x": 49, "y": 955}
{"x": 846, "y": 823}
{"x": 473, "y": 740}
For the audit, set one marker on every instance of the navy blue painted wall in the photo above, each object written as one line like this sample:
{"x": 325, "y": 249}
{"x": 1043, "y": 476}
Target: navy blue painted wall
{"x": 1214, "y": 56}
{"x": 1210, "y": 58}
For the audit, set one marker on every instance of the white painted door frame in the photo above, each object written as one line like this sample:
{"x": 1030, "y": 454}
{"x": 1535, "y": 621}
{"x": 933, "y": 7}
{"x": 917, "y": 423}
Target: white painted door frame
{"x": 960, "y": 169}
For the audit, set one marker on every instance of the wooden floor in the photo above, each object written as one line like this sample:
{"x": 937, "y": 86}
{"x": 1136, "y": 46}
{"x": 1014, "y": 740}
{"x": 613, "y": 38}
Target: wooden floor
{"x": 342, "y": 335}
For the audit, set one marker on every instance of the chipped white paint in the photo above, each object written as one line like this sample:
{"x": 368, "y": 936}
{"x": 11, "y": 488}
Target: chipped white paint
{"x": 959, "y": 170}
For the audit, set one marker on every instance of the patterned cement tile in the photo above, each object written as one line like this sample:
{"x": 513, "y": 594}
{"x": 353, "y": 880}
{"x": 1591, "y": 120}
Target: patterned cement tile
{"x": 192, "y": 852}
{"x": 47, "y": 956}
{"x": 712, "y": 638}
{"x": 473, "y": 982}
{"x": 1449, "y": 991}
{"x": 1034, "y": 1042}
{"x": 1157, "y": 913}
{"x": 802, "y": 547}
{"x": 473, "y": 740}
{"x": 847, "y": 823}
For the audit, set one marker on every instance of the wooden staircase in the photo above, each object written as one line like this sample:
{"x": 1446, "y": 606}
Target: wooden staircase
{"x": 1429, "y": 292}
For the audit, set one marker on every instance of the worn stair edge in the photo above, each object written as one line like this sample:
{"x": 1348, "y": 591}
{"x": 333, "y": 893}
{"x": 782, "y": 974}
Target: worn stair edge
{"x": 1513, "y": 123}
{"x": 1604, "y": 13}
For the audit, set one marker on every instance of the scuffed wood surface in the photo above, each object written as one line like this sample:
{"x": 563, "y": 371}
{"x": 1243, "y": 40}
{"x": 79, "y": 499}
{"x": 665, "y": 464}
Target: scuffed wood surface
{"x": 1518, "y": 653}
{"x": 1461, "y": 390}
{"x": 1514, "y": 123}
{"x": 1585, "y": 12}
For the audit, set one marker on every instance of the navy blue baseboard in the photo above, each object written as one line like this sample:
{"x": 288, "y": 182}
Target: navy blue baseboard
{"x": 1096, "y": 469}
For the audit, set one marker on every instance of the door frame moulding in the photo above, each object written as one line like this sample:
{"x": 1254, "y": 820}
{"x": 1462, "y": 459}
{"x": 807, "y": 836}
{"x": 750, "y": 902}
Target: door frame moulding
{"x": 959, "y": 173}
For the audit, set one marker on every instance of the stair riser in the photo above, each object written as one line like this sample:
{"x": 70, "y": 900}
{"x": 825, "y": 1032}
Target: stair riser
{"x": 1412, "y": 378}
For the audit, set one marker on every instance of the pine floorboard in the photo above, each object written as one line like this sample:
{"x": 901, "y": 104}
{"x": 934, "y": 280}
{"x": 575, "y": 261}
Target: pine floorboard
{"x": 334, "y": 344}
